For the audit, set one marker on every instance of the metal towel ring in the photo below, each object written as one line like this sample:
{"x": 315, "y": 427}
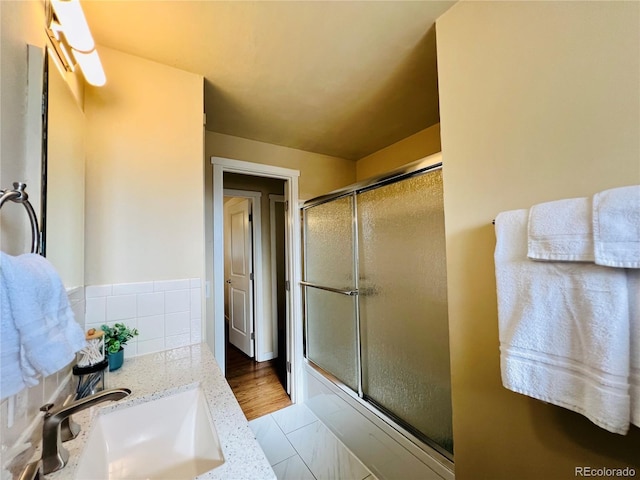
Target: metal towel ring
{"x": 18, "y": 195}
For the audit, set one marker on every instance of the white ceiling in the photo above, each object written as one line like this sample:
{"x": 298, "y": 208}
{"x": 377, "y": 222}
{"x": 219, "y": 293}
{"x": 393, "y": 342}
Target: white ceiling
{"x": 342, "y": 78}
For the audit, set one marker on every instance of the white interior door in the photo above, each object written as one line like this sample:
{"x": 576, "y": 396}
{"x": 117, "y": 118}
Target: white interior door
{"x": 240, "y": 276}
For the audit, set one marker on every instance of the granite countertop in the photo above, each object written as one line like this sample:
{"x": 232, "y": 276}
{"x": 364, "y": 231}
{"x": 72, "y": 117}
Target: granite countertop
{"x": 172, "y": 371}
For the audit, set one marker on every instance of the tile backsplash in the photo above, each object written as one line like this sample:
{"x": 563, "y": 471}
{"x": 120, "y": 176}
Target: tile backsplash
{"x": 167, "y": 313}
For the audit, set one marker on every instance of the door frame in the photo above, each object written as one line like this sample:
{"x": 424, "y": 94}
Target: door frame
{"x": 273, "y": 199}
{"x": 256, "y": 261}
{"x": 215, "y": 336}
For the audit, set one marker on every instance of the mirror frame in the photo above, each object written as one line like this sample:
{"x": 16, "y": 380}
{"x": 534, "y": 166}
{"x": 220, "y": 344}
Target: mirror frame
{"x": 44, "y": 156}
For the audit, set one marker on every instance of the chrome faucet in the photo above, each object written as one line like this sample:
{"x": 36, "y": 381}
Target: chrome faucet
{"x": 54, "y": 455}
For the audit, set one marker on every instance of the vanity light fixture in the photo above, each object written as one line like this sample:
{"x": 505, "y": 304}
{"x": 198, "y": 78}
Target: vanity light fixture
{"x": 71, "y": 39}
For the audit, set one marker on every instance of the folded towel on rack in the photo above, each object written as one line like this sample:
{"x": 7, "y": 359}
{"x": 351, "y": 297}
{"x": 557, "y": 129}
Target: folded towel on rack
{"x": 564, "y": 329}
{"x": 616, "y": 227}
{"x": 42, "y": 335}
{"x": 633, "y": 280}
{"x": 561, "y": 231}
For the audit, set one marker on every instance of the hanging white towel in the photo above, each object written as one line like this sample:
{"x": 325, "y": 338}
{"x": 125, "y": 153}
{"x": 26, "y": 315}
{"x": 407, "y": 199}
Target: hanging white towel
{"x": 11, "y": 372}
{"x": 36, "y": 314}
{"x": 564, "y": 329}
{"x": 633, "y": 278}
{"x": 561, "y": 231}
{"x": 616, "y": 227}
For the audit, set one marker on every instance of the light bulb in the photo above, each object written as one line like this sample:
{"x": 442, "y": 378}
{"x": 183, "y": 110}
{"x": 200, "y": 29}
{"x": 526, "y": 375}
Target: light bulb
{"x": 91, "y": 67}
{"x": 74, "y": 24}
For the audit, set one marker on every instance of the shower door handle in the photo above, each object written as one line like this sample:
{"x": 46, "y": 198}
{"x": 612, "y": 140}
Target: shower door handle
{"x": 350, "y": 293}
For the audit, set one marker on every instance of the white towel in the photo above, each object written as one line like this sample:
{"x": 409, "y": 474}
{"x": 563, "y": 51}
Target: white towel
{"x": 616, "y": 227}
{"x": 633, "y": 278}
{"x": 11, "y": 376}
{"x": 564, "y": 329}
{"x": 39, "y": 332}
{"x": 561, "y": 231}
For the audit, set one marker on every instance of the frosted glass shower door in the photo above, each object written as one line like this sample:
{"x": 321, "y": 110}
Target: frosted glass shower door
{"x": 403, "y": 304}
{"x": 328, "y": 275}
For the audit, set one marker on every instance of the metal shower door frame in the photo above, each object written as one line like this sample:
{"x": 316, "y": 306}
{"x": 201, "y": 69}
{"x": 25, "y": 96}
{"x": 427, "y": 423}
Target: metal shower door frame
{"x": 419, "y": 167}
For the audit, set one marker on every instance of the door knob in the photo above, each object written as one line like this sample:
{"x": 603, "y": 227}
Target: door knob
{"x": 229, "y": 281}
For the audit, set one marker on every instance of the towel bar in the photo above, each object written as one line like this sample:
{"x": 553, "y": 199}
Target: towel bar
{"x": 18, "y": 195}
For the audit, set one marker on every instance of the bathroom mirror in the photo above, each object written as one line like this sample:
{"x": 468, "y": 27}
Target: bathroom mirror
{"x": 62, "y": 218}
{"x": 21, "y": 135}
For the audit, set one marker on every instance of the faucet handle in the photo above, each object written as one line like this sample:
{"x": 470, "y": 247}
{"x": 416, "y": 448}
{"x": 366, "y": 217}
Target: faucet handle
{"x": 46, "y": 407}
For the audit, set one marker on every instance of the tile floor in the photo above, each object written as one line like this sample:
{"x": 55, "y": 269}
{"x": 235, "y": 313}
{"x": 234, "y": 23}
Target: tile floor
{"x": 300, "y": 447}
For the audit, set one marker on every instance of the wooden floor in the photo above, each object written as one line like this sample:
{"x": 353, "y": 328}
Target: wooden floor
{"x": 255, "y": 384}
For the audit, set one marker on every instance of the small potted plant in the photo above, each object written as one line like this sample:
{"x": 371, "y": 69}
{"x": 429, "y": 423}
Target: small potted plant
{"x": 115, "y": 338}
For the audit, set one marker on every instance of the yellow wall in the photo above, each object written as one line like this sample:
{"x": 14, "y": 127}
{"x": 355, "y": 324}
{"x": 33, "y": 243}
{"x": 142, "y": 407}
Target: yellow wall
{"x": 538, "y": 101}
{"x": 144, "y": 201}
{"x": 65, "y": 180}
{"x": 319, "y": 173}
{"x": 419, "y": 145}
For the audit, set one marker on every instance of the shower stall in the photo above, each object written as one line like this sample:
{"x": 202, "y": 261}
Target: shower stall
{"x": 375, "y": 299}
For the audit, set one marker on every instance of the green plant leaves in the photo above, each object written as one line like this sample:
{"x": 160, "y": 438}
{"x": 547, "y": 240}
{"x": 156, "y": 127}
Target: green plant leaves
{"x": 117, "y": 336}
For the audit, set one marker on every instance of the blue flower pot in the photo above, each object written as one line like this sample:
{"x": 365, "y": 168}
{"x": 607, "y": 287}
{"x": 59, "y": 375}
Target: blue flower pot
{"x": 115, "y": 360}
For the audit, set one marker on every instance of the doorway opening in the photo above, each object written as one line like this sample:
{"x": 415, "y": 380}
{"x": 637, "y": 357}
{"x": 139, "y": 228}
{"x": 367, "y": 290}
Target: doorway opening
{"x": 272, "y": 341}
{"x": 254, "y": 297}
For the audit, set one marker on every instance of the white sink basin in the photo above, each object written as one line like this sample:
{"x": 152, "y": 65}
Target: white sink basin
{"x": 168, "y": 438}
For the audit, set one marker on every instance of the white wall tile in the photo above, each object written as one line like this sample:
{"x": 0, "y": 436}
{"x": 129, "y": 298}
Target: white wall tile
{"x": 21, "y": 404}
{"x": 35, "y": 397}
{"x": 79, "y": 309}
{"x": 50, "y": 385}
{"x": 377, "y": 450}
{"x": 381, "y": 454}
{"x": 131, "y": 288}
{"x": 164, "y": 285}
{"x": 96, "y": 310}
{"x": 177, "y": 323}
{"x": 196, "y": 303}
{"x": 75, "y": 294}
{"x": 196, "y": 331}
{"x": 176, "y": 341}
{"x": 98, "y": 291}
{"x": 150, "y": 304}
{"x": 151, "y": 346}
{"x": 121, "y": 307}
{"x": 177, "y": 301}
{"x": 167, "y": 313}
{"x": 151, "y": 327}
{"x": 131, "y": 349}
